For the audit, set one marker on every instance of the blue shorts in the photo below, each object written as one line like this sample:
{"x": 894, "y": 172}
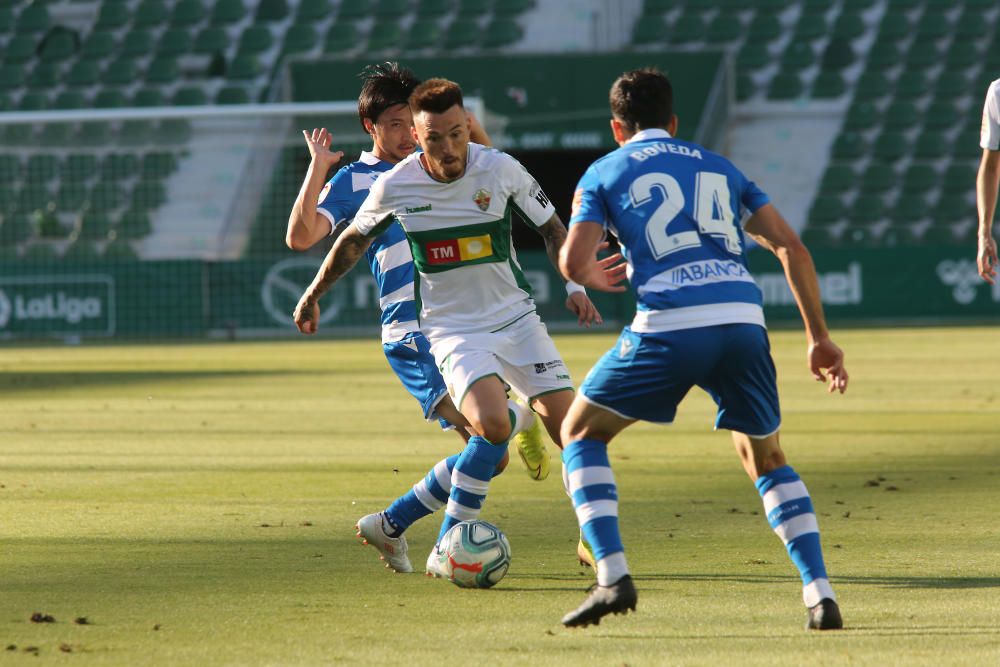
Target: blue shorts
{"x": 645, "y": 376}
{"x": 414, "y": 365}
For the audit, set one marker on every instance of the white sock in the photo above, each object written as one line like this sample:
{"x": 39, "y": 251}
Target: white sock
{"x": 611, "y": 568}
{"x": 523, "y": 416}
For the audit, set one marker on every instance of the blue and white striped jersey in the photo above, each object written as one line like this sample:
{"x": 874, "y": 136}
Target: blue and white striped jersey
{"x": 388, "y": 256}
{"x": 677, "y": 210}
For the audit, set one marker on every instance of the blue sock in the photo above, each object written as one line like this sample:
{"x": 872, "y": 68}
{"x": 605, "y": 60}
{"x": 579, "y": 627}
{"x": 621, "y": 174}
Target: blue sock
{"x": 475, "y": 467}
{"x": 790, "y": 512}
{"x": 426, "y": 497}
{"x": 595, "y": 495}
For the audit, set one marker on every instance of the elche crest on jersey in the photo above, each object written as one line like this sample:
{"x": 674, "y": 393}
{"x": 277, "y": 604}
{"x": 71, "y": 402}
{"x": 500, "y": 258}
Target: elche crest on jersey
{"x": 482, "y": 198}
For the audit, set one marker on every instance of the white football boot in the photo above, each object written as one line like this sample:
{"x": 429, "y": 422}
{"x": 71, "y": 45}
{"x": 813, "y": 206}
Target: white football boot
{"x": 392, "y": 550}
{"x": 437, "y": 564}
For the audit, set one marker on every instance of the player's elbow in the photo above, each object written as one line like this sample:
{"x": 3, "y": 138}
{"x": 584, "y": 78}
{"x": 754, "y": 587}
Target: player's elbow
{"x": 792, "y": 249}
{"x": 296, "y": 243}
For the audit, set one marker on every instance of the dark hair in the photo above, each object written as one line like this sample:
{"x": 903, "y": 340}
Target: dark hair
{"x": 385, "y": 85}
{"x": 642, "y": 99}
{"x": 436, "y": 96}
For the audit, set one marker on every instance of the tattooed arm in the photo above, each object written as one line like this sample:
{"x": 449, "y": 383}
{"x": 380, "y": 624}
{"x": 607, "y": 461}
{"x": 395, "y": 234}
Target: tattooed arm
{"x": 577, "y": 301}
{"x": 344, "y": 254}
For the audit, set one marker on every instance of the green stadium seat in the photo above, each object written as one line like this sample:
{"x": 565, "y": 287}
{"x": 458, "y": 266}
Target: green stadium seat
{"x": 764, "y": 28}
{"x": 910, "y": 85}
{"x": 838, "y": 54}
{"x": 950, "y": 86}
{"x": 150, "y": 14}
{"x": 902, "y": 115}
{"x": 95, "y": 225}
{"x": 232, "y": 95}
{"x": 850, "y": 25}
{"x": 162, "y": 70}
{"x": 461, "y": 33}
{"x": 137, "y": 43}
{"x": 909, "y": 207}
{"x": 190, "y": 96}
{"x": 33, "y": 19}
{"x": 271, "y": 10}
{"x": 342, "y": 37}
{"x": 649, "y": 30}
{"x": 81, "y": 250}
{"x": 687, "y": 29}
{"x": 785, "y": 86}
{"x": 931, "y": 146}
{"x": 187, "y": 13}
{"x": 871, "y": 86}
{"x": 932, "y": 26}
{"x": 866, "y": 210}
{"x": 353, "y": 11}
{"x": 512, "y": 7}
{"x": 746, "y": 87}
{"x": 77, "y": 167}
{"x": 70, "y": 99}
{"x": 941, "y": 115}
{"x": 157, "y": 165}
{"x": 849, "y": 146}
{"x": 133, "y": 224}
{"x": 883, "y": 56}
{"x": 899, "y": 234}
{"x": 753, "y": 56}
{"x": 110, "y": 98}
{"x": 211, "y": 40}
{"x": 118, "y": 166}
{"x": 112, "y": 15}
{"x": 41, "y": 168}
{"x": 227, "y": 12}
{"x": 798, "y": 56}
{"x": 423, "y": 34}
{"x": 724, "y": 29}
{"x": 42, "y": 252}
{"x": 311, "y": 11}
{"x": 971, "y": 26}
{"x": 120, "y": 72}
{"x": 18, "y": 134}
{"x": 810, "y": 27}
{"x": 71, "y": 196}
{"x": 391, "y": 9}
{"x": 105, "y": 196}
{"x": 135, "y": 132}
{"x": 952, "y": 207}
{"x": 890, "y": 146}
{"x": 33, "y": 101}
{"x": 474, "y": 8}
{"x": 98, "y": 44}
{"x": 817, "y": 237}
{"x": 147, "y": 195}
{"x": 958, "y": 177}
{"x": 120, "y": 250}
{"x": 920, "y": 179}
{"x": 502, "y": 32}
{"x": 826, "y": 210}
{"x": 923, "y": 56}
{"x": 255, "y": 40}
{"x": 59, "y": 45}
{"x": 45, "y": 76}
{"x": 434, "y": 8}
{"x": 175, "y": 42}
{"x": 148, "y": 97}
{"x": 10, "y": 167}
{"x": 243, "y": 68}
{"x": 940, "y": 235}
{"x": 15, "y": 229}
{"x": 962, "y": 55}
{"x": 6, "y": 19}
{"x": 173, "y": 131}
{"x": 878, "y": 178}
{"x": 770, "y": 6}
{"x": 20, "y": 49}
{"x": 93, "y": 133}
{"x": 57, "y": 134}
{"x": 31, "y": 197}
{"x": 838, "y": 179}
{"x": 385, "y": 35}
{"x": 299, "y": 38}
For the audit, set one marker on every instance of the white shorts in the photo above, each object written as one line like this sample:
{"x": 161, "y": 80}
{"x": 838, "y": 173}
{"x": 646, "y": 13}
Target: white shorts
{"x": 522, "y": 355}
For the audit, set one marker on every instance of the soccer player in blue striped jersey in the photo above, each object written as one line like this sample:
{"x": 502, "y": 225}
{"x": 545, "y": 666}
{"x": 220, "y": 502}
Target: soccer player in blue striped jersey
{"x": 324, "y": 211}
{"x": 681, "y": 214}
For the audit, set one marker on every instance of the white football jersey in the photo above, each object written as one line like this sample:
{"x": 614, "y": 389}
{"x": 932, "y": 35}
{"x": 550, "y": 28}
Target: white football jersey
{"x": 467, "y": 276}
{"x": 990, "y": 137}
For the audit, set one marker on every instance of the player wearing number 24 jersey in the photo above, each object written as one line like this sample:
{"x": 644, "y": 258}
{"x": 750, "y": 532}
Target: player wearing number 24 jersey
{"x": 681, "y": 214}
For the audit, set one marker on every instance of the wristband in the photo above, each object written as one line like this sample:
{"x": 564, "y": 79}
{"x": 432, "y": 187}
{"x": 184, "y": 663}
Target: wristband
{"x": 572, "y": 288}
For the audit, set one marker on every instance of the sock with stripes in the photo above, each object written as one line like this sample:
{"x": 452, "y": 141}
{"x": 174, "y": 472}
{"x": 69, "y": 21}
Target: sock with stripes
{"x": 591, "y": 485}
{"x": 426, "y": 497}
{"x": 790, "y": 512}
{"x": 470, "y": 481}
{"x": 520, "y": 417}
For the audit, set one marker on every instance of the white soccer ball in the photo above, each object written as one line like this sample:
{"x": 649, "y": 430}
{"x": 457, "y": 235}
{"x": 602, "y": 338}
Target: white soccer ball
{"x": 477, "y": 554}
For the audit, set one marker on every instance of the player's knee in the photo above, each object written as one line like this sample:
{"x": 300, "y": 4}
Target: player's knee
{"x": 496, "y": 428}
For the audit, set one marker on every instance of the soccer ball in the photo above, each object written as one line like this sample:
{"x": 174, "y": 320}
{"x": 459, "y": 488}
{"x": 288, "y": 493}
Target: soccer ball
{"x": 477, "y": 553}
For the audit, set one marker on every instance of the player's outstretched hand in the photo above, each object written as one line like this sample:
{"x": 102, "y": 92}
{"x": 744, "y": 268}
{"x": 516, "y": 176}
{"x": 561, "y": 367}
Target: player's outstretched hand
{"x": 306, "y": 316}
{"x": 824, "y": 354}
{"x": 319, "y": 147}
{"x": 586, "y": 312}
{"x": 986, "y": 258}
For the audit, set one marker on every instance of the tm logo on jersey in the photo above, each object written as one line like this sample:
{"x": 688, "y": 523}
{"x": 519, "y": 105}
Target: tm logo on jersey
{"x": 451, "y": 251}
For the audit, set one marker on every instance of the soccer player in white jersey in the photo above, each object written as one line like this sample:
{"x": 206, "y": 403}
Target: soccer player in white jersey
{"x": 680, "y": 213}
{"x": 455, "y": 203}
{"x": 384, "y": 114}
{"x": 987, "y": 183}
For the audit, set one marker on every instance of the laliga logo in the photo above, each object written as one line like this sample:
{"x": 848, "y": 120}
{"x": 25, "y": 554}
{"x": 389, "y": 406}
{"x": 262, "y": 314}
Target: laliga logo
{"x": 5, "y": 309}
{"x": 963, "y": 276}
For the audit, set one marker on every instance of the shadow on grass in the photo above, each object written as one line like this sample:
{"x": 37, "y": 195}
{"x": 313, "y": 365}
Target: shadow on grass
{"x": 47, "y": 381}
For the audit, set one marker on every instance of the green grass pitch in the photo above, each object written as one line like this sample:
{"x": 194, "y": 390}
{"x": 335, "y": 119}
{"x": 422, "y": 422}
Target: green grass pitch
{"x": 195, "y": 504}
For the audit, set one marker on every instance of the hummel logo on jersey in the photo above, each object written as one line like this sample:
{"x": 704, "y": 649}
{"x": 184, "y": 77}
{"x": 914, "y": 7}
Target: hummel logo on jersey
{"x": 459, "y": 250}
{"x": 418, "y": 209}
{"x": 482, "y": 199}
